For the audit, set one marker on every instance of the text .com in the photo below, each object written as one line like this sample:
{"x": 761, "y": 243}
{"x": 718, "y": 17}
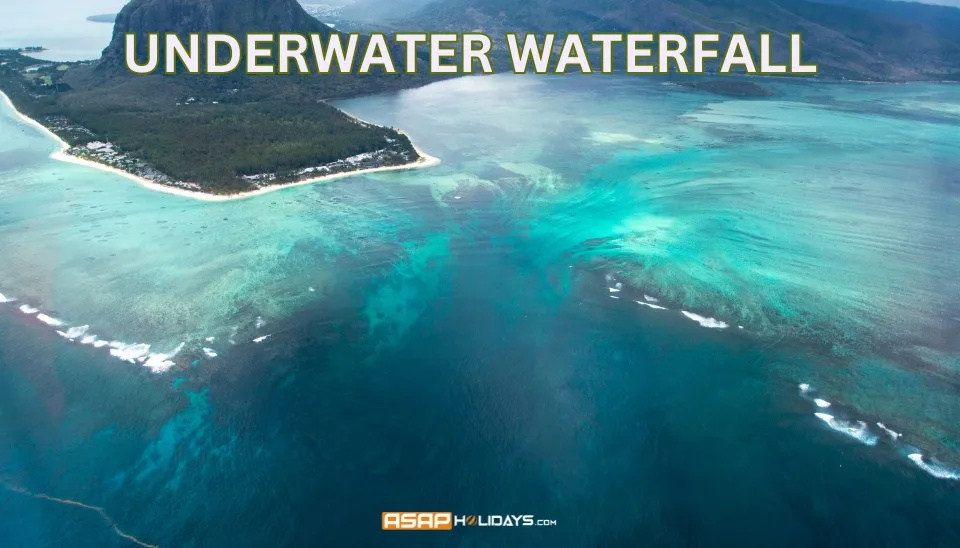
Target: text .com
{"x": 446, "y": 521}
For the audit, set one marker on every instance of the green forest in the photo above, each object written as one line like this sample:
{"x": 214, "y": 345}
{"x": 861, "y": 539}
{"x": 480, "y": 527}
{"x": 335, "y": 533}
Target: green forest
{"x": 206, "y": 130}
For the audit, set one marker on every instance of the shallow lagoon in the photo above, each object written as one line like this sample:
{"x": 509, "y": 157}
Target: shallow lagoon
{"x": 512, "y": 318}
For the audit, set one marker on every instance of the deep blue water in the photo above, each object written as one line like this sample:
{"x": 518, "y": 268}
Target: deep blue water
{"x": 625, "y": 431}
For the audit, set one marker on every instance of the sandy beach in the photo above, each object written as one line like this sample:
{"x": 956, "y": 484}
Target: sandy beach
{"x": 424, "y": 161}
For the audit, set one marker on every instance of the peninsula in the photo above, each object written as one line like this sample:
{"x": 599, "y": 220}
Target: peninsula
{"x": 105, "y": 157}
{"x": 224, "y": 136}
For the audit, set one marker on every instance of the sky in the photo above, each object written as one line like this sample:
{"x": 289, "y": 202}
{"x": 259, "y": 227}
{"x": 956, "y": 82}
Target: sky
{"x": 61, "y": 25}
{"x": 954, "y": 3}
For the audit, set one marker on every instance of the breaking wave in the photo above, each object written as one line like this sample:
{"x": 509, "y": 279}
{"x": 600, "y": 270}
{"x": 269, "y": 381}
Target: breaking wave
{"x": 934, "y": 468}
{"x": 710, "y": 323}
{"x": 137, "y": 353}
{"x": 75, "y": 332}
{"x": 858, "y": 430}
{"x": 140, "y": 353}
{"x": 53, "y": 322}
{"x": 615, "y": 289}
{"x": 891, "y": 433}
{"x": 861, "y": 431}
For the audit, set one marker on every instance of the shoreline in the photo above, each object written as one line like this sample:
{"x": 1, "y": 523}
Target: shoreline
{"x": 424, "y": 161}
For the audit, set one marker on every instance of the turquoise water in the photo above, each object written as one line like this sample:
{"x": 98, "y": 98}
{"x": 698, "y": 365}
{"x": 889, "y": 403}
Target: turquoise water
{"x": 616, "y": 304}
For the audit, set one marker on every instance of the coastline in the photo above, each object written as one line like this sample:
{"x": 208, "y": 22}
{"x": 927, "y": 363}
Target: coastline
{"x": 425, "y": 160}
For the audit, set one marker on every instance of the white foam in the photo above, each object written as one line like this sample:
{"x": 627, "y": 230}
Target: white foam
{"x": 89, "y": 339}
{"x": 710, "y": 323}
{"x": 259, "y": 340}
{"x": 804, "y": 388}
{"x": 100, "y": 344}
{"x": 614, "y": 289}
{"x": 159, "y": 363}
{"x": 650, "y": 299}
{"x": 53, "y": 322}
{"x": 619, "y": 286}
{"x": 5, "y": 299}
{"x": 129, "y": 352}
{"x": 894, "y": 435}
{"x": 260, "y": 322}
{"x": 209, "y": 352}
{"x": 209, "y": 339}
{"x": 311, "y": 289}
{"x": 823, "y": 404}
{"x": 74, "y": 332}
{"x": 614, "y": 297}
{"x": 653, "y": 306}
{"x": 935, "y": 469}
{"x": 26, "y": 309}
{"x": 858, "y": 431}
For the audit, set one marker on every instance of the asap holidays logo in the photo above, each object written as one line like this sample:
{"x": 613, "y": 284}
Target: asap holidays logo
{"x": 446, "y": 521}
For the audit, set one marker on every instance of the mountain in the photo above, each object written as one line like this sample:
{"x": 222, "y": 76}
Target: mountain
{"x": 943, "y": 20}
{"x": 845, "y": 41}
{"x": 235, "y": 17}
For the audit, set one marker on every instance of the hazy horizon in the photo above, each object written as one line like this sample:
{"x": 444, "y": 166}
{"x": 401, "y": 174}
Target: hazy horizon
{"x": 60, "y": 26}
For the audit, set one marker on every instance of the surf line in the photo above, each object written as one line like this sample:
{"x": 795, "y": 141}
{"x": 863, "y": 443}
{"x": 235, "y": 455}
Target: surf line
{"x": 103, "y": 514}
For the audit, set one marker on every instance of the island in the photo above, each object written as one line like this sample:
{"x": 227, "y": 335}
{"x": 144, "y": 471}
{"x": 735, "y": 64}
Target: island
{"x": 32, "y": 49}
{"x": 105, "y": 18}
{"x": 729, "y": 87}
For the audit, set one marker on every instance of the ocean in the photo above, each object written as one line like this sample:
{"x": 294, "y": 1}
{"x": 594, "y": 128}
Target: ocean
{"x": 59, "y": 26}
{"x": 649, "y": 315}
